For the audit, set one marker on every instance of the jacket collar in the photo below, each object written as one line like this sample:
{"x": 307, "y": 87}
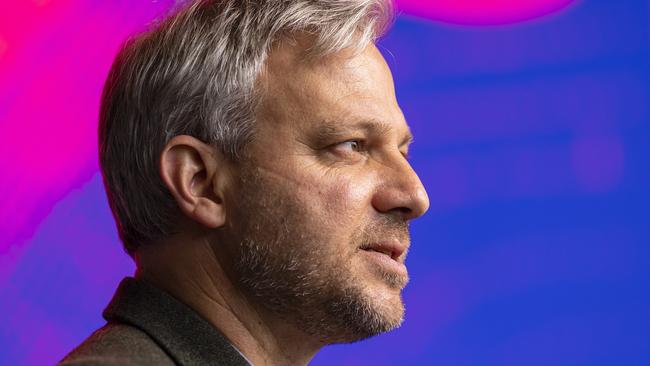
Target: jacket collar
{"x": 180, "y": 331}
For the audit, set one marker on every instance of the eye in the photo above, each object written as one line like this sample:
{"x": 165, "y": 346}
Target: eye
{"x": 352, "y": 145}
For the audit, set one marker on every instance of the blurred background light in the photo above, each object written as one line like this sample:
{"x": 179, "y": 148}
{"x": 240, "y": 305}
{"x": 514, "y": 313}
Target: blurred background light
{"x": 532, "y": 126}
{"x": 482, "y": 12}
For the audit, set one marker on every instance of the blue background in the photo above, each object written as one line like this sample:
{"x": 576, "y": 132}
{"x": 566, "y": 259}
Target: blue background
{"x": 532, "y": 140}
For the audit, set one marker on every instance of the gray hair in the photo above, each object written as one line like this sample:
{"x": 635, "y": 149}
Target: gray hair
{"x": 194, "y": 73}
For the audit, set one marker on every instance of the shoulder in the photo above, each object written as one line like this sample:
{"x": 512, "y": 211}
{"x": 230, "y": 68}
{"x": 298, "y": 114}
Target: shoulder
{"x": 117, "y": 344}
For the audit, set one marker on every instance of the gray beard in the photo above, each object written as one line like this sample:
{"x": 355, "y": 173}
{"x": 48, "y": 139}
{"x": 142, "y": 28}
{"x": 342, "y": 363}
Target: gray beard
{"x": 307, "y": 297}
{"x": 288, "y": 269}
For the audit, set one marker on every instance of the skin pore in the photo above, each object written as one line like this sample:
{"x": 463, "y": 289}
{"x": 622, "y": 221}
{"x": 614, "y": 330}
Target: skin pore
{"x": 270, "y": 250}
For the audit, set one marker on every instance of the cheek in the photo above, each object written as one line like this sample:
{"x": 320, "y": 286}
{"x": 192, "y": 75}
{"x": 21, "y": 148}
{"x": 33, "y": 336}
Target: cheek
{"x": 333, "y": 203}
{"x": 347, "y": 199}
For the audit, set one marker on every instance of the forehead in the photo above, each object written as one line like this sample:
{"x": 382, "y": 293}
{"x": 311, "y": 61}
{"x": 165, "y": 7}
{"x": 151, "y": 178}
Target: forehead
{"x": 339, "y": 90}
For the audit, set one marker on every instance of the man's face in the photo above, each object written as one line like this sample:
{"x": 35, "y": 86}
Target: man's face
{"x": 325, "y": 179}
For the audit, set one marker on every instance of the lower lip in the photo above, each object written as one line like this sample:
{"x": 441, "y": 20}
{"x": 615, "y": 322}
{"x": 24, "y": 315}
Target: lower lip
{"x": 386, "y": 262}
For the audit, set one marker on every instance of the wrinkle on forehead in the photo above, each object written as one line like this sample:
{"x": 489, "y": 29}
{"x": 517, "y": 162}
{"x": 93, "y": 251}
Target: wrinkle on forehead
{"x": 352, "y": 92}
{"x": 296, "y": 89}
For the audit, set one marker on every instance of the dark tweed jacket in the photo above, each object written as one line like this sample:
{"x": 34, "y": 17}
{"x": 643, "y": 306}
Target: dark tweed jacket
{"x": 146, "y": 326}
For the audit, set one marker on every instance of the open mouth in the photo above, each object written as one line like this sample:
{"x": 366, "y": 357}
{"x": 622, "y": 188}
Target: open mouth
{"x": 379, "y": 250}
{"x": 391, "y": 261}
{"x": 392, "y": 249}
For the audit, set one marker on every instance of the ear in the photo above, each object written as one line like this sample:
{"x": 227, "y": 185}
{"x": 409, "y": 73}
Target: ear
{"x": 196, "y": 175}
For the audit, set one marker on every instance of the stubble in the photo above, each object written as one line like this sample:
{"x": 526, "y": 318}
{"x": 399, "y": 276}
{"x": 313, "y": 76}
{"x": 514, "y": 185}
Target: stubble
{"x": 288, "y": 263}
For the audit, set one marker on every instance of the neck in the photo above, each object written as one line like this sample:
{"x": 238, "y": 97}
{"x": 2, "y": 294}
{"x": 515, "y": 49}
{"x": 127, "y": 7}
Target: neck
{"x": 190, "y": 271}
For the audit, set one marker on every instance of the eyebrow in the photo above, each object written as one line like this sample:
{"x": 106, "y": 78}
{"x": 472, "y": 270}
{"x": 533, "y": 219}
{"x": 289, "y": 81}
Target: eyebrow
{"x": 330, "y": 129}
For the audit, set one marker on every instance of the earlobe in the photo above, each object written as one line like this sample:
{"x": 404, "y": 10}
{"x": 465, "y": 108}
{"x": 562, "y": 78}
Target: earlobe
{"x": 192, "y": 170}
{"x": 209, "y": 213}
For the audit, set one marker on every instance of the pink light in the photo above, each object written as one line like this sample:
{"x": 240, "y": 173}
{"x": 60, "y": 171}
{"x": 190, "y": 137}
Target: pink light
{"x": 3, "y": 46}
{"x": 481, "y": 12}
{"x": 54, "y": 57}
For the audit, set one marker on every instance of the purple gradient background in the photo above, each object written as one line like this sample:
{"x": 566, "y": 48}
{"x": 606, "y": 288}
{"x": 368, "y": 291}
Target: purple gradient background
{"x": 532, "y": 138}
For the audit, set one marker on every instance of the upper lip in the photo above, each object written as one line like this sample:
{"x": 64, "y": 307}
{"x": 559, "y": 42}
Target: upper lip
{"x": 393, "y": 248}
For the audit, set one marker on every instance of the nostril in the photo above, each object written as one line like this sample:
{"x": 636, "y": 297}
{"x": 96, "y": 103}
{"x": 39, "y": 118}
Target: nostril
{"x": 404, "y": 210}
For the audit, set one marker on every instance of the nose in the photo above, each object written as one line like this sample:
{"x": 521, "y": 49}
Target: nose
{"x": 400, "y": 191}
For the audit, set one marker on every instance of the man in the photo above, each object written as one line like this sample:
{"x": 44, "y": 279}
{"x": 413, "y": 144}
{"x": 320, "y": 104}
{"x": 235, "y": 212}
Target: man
{"x": 254, "y": 157}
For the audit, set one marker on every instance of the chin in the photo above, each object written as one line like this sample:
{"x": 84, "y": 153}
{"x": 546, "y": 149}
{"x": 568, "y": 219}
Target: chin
{"x": 369, "y": 314}
{"x": 392, "y": 312}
